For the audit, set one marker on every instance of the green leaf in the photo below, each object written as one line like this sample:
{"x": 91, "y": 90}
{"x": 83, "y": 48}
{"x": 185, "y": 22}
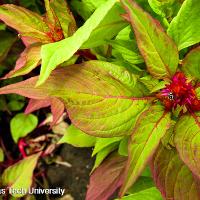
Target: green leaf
{"x": 105, "y": 96}
{"x": 125, "y": 34}
{"x": 158, "y": 50}
{"x": 159, "y": 86}
{"x": 168, "y": 139}
{"x": 197, "y": 90}
{"x": 191, "y": 63}
{"x": 126, "y": 51}
{"x": 148, "y": 194}
{"x": 2, "y": 27}
{"x": 184, "y": 27}
{"x": 123, "y": 147}
{"x": 111, "y": 117}
{"x": 146, "y": 172}
{"x": 56, "y": 53}
{"x": 101, "y": 143}
{"x": 85, "y": 8}
{"x": 103, "y": 153}
{"x": 172, "y": 176}
{"x": 31, "y": 4}
{"x": 187, "y": 139}
{"x": 15, "y": 105}
{"x": 150, "y": 127}
{"x": 1, "y": 155}
{"x": 22, "y": 124}
{"x": 29, "y": 59}
{"x": 6, "y": 41}
{"x": 19, "y": 175}
{"x": 142, "y": 183}
{"x": 27, "y": 23}
{"x": 107, "y": 29}
{"x": 103, "y": 147}
{"x": 77, "y": 138}
{"x": 149, "y": 82}
{"x": 166, "y": 8}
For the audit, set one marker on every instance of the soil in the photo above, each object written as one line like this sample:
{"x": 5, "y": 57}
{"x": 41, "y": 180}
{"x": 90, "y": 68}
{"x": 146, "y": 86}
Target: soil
{"x": 75, "y": 178}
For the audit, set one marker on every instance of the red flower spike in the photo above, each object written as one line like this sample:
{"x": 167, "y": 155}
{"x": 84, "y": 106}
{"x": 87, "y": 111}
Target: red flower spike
{"x": 179, "y": 92}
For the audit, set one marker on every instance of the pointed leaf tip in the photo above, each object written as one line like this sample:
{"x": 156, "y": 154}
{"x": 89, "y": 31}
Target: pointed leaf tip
{"x": 56, "y": 53}
{"x": 184, "y": 28}
{"x": 20, "y": 175}
{"x": 150, "y": 127}
{"x": 157, "y": 48}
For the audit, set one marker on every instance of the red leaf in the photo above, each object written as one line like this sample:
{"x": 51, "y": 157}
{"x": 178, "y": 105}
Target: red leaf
{"x": 106, "y": 178}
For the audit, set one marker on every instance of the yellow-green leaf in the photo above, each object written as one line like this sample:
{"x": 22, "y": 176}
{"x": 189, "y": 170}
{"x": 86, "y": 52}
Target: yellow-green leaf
{"x": 56, "y": 53}
{"x": 150, "y": 127}
{"x": 158, "y": 50}
{"x": 95, "y": 91}
{"x": 187, "y": 141}
{"x": 77, "y": 138}
{"x": 184, "y": 28}
{"x": 22, "y": 124}
{"x": 172, "y": 177}
{"x": 29, "y": 59}
{"x": 1, "y": 155}
{"x": 19, "y": 176}
{"x": 191, "y": 63}
{"x": 26, "y": 22}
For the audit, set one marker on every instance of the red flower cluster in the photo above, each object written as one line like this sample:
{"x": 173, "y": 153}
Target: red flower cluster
{"x": 179, "y": 92}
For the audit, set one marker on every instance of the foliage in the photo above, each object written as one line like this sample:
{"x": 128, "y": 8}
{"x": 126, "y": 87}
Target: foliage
{"x": 22, "y": 124}
{"x": 20, "y": 175}
{"x": 128, "y": 75}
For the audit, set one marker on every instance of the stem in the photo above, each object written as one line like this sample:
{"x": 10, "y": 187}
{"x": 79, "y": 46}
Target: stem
{"x": 21, "y": 145}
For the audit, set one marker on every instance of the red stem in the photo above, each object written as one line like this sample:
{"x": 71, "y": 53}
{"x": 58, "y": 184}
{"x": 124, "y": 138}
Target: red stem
{"x": 21, "y": 145}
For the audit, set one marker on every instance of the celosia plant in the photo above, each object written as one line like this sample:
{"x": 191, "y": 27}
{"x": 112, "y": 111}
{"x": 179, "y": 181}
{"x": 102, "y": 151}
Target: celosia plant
{"x": 155, "y": 105}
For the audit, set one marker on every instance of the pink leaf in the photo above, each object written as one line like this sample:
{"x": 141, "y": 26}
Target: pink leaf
{"x": 107, "y": 178}
{"x": 28, "y": 60}
{"x": 57, "y": 107}
{"x": 35, "y": 104}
